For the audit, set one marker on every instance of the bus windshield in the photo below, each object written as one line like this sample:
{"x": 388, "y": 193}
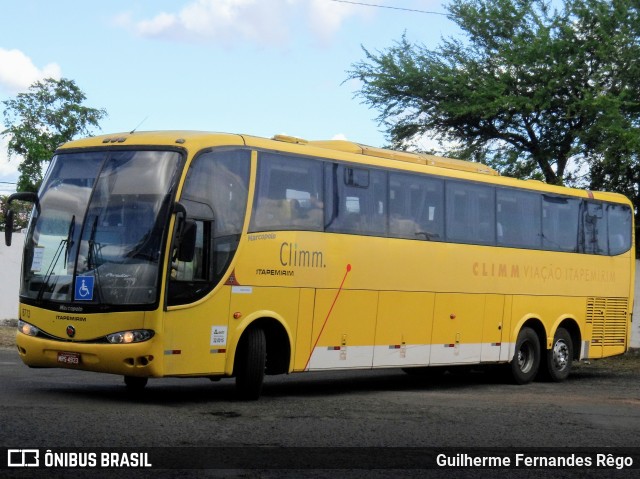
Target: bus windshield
{"x": 97, "y": 234}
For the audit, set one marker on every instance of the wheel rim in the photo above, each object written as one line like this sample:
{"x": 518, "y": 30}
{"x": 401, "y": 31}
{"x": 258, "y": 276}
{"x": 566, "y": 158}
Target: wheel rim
{"x": 560, "y": 355}
{"x": 525, "y": 357}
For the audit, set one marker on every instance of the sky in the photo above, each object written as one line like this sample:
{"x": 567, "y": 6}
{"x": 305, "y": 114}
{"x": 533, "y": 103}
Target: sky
{"x": 258, "y": 67}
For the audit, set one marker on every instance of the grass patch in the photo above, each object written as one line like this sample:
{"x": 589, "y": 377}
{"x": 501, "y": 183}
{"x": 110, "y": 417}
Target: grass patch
{"x": 628, "y": 362}
{"x": 8, "y": 336}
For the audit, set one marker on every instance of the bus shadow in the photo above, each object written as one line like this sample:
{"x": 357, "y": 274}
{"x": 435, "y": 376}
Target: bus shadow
{"x": 168, "y": 391}
{"x": 387, "y": 381}
{"x": 184, "y": 391}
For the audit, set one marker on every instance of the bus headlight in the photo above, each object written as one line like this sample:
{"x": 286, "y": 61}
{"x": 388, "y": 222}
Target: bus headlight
{"x": 127, "y": 337}
{"x": 28, "y": 329}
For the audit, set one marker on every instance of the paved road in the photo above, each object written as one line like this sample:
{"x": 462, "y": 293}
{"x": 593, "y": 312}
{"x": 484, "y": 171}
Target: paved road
{"x": 596, "y": 407}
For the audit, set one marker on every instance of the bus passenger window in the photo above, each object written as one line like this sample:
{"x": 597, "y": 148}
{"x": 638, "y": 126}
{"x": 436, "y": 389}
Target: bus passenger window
{"x": 288, "y": 195}
{"x": 619, "y": 222}
{"x": 594, "y": 237}
{"x": 358, "y": 200}
{"x": 416, "y": 205}
{"x": 518, "y": 218}
{"x": 470, "y": 213}
{"x": 560, "y": 217}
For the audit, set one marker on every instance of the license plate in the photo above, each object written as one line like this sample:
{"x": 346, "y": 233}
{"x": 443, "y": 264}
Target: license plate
{"x": 72, "y": 359}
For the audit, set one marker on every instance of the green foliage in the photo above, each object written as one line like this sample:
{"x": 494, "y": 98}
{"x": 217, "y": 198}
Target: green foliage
{"x": 21, "y": 210}
{"x": 37, "y": 122}
{"x": 533, "y": 91}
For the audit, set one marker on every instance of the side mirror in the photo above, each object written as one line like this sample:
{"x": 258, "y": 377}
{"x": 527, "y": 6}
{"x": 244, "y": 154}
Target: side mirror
{"x": 29, "y": 196}
{"x": 187, "y": 241}
{"x": 8, "y": 227}
{"x": 185, "y": 235}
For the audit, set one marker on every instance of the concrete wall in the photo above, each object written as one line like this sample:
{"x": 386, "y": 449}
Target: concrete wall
{"x": 10, "y": 258}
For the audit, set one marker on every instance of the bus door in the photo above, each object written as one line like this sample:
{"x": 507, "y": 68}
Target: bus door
{"x": 196, "y": 337}
{"x": 214, "y": 198}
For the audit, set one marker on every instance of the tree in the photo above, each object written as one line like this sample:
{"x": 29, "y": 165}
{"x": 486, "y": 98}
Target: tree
{"x": 38, "y": 121}
{"x": 534, "y": 92}
{"x": 22, "y": 212}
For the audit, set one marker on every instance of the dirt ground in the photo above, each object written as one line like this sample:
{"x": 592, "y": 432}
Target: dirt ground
{"x": 7, "y": 336}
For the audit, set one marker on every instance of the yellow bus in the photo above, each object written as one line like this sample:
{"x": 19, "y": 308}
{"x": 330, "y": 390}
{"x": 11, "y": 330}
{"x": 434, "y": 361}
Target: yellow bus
{"x": 189, "y": 254}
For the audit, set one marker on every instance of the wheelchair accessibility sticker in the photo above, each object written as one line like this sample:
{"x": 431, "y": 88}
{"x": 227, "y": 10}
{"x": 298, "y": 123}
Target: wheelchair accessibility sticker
{"x": 84, "y": 288}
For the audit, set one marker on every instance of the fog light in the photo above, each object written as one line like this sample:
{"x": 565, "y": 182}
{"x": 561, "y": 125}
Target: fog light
{"x": 128, "y": 337}
{"x": 28, "y": 329}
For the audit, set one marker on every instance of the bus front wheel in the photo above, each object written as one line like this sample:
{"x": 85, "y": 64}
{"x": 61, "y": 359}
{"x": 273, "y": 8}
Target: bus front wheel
{"x": 560, "y": 356}
{"x": 250, "y": 364}
{"x": 526, "y": 359}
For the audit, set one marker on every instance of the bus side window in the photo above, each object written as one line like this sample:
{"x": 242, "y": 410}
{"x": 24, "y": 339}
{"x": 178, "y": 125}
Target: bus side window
{"x": 594, "y": 234}
{"x": 193, "y": 270}
{"x": 416, "y": 207}
{"x": 518, "y": 218}
{"x": 560, "y": 217}
{"x": 358, "y": 200}
{"x": 289, "y": 194}
{"x": 470, "y": 213}
{"x": 619, "y": 221}
{"x": 215, "y": 197}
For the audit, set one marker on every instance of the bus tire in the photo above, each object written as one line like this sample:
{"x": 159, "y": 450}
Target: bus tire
{"x": 560, "y": 356}
{"x": 135, "y": 383}
{"x": 526, "y": 359}
{"x": 250, "y": 364}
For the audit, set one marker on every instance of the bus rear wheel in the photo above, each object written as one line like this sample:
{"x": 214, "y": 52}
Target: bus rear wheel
{"x": 560, "y": 356}
{"x": 526, "y": 359}
{"x": 250, "y": 364}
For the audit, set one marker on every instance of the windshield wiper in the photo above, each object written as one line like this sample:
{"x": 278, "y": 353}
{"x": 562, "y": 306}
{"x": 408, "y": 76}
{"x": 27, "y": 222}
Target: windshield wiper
{"x": 49, "y": 273}
{"x": 65, "y": 243}
{"x": 92, "y": 260}
{"x": 72, "y": 228}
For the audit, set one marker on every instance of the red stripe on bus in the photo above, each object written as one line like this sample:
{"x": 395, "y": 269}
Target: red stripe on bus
{"x": 328, "y": 314}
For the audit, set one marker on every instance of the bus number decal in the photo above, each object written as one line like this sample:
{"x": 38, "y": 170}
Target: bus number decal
{"x": 241, "y": 289}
